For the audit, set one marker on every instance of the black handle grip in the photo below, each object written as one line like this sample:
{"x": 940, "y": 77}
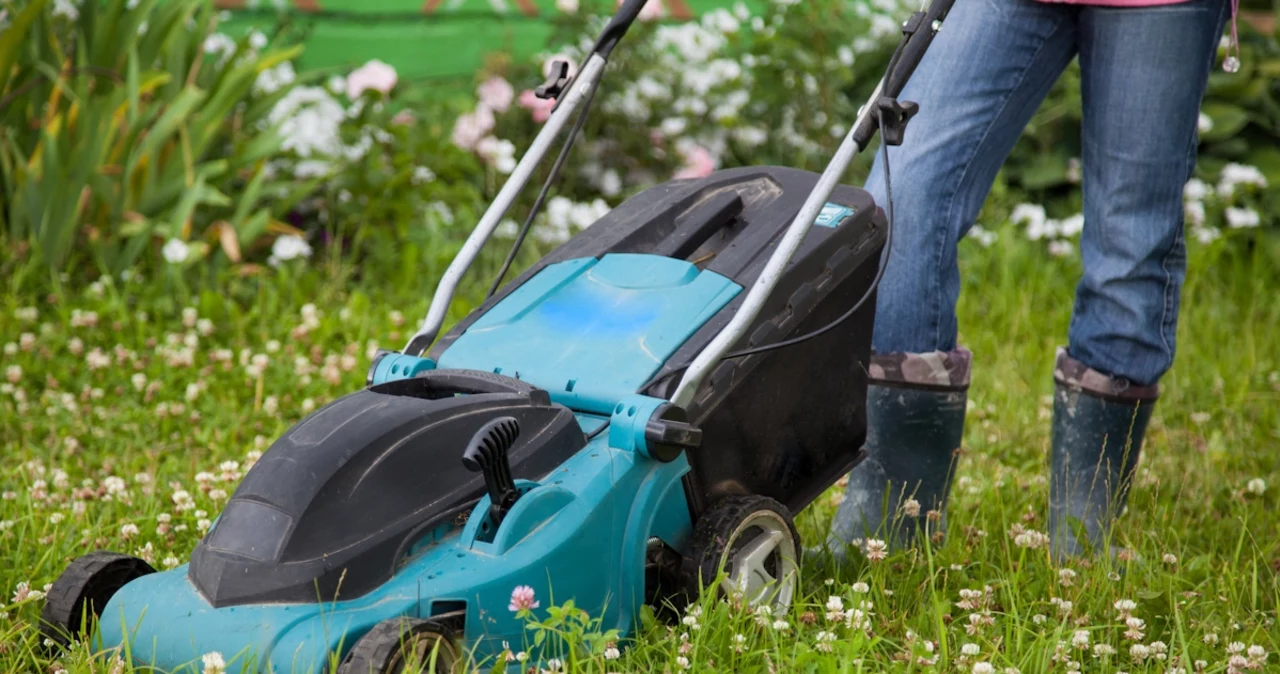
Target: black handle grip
{"x": 915, "y": 48}
{"x": 919, "y": 35}
{"x": 618, "y": 27}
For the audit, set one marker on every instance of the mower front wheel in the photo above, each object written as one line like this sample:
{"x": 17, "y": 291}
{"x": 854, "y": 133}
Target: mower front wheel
{"x": 79, "y": 595}
{"x": 397, "y": 645}
{"x": 753, "y": 541}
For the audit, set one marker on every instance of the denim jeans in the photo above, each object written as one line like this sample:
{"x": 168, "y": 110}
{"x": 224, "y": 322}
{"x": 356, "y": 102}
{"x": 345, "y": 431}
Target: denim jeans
{"x": 1144, "y": 72}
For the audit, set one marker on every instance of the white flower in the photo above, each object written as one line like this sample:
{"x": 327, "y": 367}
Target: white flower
{"x": 1204, "y": 124}
{"x": 970, "y": 649}
{"x": 309, "y": 120}
{"x": 1207, "y": 235}
{"x": 213, "y": 663}
{"x": 1234, "y": 174}
{"x": 983, "y": 668}
{"x": 1257, "y": 486}
{"x": 1033, "y": 215}
{"x": 683, "y": 662}
{"x": 288, "y": 247}
{"x": 1072, "y": 226}
{"x": 1242, "y": 217}
{"x": 983, "y": 236}
{"x": 66, "y": 9}
{"x": 1060, "y": 248}
{"x": 1195, "y": 190}
{"x": 274, "y": 79}
{"x": 219, "y": 44}
{"x": 175, "y": 251}
{"x": 1194, "y": 213}
{"x": 372, "y": 76}
{"x": 496, "y": 93}
{"x": 422, "y": 174}
{"x": 612, "y": 653}
{"x": 861, "y": 587}
{"x": 567, "y": 6}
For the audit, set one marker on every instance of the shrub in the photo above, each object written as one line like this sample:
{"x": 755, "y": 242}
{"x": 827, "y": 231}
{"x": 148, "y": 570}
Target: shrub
{"x": 127, "y": 124}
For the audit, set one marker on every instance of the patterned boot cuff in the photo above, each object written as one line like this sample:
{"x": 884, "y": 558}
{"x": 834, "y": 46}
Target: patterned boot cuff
{"x": 1070, "y": 372}
{"x": 947, "y": 370}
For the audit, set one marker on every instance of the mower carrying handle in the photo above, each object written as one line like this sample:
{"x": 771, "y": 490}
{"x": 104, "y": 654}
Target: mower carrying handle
{"x": 472, "y": 382}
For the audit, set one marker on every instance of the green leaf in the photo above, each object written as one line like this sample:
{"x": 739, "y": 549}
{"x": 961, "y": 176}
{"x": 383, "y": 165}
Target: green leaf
{"x": 13, "y": 37}
{"x": 1267, "y": 160}
{"x": 1227, "y": 120}
{"x": 173, "y": 116}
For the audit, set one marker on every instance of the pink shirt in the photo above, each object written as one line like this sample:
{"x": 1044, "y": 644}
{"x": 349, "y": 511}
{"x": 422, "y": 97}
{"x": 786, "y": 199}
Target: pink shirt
{"x": 1232, "y": 63}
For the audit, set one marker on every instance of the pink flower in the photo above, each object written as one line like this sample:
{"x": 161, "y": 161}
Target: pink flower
{"x": 651, "y": 11}
{"x": 522, "y": 599}
{"x": 541, "y": 108}
{"x": 496, "y": 94}
{"x": 374, "y": 75}
{"x": 403, "y": 118}
{"x": 698, "y": 164}
{"x": 470, "y": 128}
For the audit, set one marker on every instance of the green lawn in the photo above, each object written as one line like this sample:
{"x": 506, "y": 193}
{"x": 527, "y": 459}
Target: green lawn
{"x": 129, "y": 411}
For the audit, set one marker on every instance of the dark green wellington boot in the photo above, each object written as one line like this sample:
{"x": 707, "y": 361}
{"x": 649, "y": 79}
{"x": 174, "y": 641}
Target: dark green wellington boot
{"x": 1098, "y": 426}
{"x": 915, "y": 422}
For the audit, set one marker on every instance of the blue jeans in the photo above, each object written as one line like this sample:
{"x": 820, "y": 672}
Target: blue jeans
{"x": 1144, "y": 72}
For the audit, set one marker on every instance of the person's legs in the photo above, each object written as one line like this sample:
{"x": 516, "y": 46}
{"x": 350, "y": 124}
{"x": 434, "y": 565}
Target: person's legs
{"x": 1143, "y": 75}
{"x": 983, "y": 77}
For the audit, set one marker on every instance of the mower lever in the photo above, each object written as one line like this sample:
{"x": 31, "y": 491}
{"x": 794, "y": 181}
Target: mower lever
{"x": 557, "y": 79}
{"x": 896, "y": 116}
{"x": 487, "y": 453}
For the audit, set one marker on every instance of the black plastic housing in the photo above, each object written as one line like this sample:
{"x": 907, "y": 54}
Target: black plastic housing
{"x": 354, "y": 485}
{"x": 785, "y": 423}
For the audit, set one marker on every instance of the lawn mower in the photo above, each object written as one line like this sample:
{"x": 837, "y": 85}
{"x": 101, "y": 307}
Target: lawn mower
{"x": 629, "y": 421}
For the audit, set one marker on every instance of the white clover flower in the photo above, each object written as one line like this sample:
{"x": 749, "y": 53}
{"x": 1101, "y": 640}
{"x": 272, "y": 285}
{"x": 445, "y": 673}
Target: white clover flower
{"x": 175, "y": 251}
{"x": 213, "y": 663}
{"x": 1242, "y": 218}
{"x": 288, "y": 247}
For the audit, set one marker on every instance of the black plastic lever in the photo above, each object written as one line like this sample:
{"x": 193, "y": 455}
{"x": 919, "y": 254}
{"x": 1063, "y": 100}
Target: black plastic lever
{"x": 557, "y": 80}
{"x": 487, "y": 453}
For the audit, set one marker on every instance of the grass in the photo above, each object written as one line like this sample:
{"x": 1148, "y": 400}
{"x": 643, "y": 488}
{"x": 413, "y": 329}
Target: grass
{"x": 122, "y": 398}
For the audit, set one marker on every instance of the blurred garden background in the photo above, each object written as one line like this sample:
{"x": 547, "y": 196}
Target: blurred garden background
{"x": 212, "y": 215}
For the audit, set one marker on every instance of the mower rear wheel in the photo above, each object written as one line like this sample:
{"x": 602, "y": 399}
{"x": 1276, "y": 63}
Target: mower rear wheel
{"x": 79, "y": 595}
{"x": 394, "y": 645}
{"x": 753, "y": 541}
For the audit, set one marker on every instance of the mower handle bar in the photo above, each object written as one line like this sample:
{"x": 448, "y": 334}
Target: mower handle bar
{"x": 578, "y": 88}
{"x": 918, "y": 33}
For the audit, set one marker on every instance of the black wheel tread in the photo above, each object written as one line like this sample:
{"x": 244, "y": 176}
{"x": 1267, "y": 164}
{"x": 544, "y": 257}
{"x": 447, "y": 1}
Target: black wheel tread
{"x": 711, "y": 536}
{"x": 374, "y": 652}
{"x": 60, "y": 618}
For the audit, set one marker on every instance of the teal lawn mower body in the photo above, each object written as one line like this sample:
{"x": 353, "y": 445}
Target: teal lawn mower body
{"x": 585, "y": 435}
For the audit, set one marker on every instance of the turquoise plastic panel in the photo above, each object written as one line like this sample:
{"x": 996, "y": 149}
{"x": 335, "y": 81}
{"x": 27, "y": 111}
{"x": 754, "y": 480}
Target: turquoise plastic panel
{"x": 581, "y": 534}
{"x": 591, "y": 332}
{"x": 832, "y": 215}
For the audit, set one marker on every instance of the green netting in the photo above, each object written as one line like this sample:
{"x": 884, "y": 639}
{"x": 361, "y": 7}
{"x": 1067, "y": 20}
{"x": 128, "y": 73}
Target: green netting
{"x": 448, "y": 43}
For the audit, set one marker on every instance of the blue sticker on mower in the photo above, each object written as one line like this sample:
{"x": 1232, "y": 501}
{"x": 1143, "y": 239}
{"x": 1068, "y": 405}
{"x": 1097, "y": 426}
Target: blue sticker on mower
{"x": 832, "y": 215}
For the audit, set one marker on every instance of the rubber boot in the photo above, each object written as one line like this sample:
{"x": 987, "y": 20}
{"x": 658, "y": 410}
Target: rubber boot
{"x": 1099, "y": 423}
{"x": 915, "y": 422}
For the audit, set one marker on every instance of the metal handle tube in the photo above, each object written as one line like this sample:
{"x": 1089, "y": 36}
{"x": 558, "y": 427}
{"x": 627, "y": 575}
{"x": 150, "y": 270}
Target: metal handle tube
{"x": 426, "y": 334}
{"x": 777, "y": 263}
